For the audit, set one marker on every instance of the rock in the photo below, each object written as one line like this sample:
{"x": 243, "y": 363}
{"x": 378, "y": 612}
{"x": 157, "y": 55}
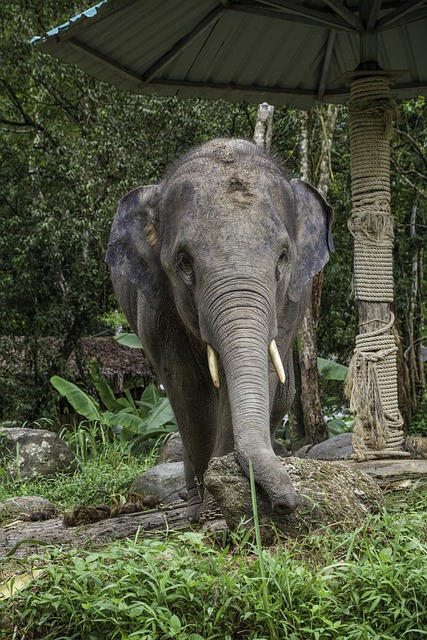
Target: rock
{"x": 165, "y": 481}
{"x": 330, "y": 494}
{"x": 27, "y": 453}
{"x": 336, "y": 448}
{"x": 302, "y": 453}
{"x": 280, "y": 449}
{"x": 32, "y": 508}
{"x": 171, "y": 450}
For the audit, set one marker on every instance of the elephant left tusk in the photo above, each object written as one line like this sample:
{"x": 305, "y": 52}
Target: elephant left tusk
{"x": 213, "y": 366}
{"x": 277, "y": 362}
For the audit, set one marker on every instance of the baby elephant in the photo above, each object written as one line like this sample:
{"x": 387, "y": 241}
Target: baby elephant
{"x": 213, "y": 268}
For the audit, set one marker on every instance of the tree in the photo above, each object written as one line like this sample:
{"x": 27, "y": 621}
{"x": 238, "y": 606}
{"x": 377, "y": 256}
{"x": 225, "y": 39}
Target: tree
{"x": 307, "y": 421}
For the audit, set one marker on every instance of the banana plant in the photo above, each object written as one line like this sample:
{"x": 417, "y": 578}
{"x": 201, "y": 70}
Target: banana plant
{"x": 137, "y": 422}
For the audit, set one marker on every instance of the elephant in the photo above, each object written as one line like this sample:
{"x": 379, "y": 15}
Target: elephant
{"x": 213, "y": 268}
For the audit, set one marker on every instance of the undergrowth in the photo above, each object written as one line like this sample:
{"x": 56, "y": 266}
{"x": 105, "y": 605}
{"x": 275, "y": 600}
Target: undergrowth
{"x": 370, "y": 583}
{"x": 366, "y": 584}
{"x": 104, "y": 471}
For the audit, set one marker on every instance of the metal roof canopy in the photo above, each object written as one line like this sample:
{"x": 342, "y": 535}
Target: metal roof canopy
{"x": 293, "y": 52}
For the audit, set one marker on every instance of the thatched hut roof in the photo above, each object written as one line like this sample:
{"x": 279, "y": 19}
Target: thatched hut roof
{"x": 120, "y": 365}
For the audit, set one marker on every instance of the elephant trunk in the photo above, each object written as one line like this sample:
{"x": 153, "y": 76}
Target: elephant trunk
{"x": 241, "y": 337}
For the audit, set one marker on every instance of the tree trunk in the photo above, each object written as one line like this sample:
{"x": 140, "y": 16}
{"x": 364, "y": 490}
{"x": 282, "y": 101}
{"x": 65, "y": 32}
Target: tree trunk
{"x": 307, "y": 405}
{"x": 413, "y": 352}
{"x": 263, "y": 132}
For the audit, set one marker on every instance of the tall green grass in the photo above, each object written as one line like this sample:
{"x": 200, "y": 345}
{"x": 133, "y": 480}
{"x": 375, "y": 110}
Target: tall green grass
{"x": 370, "y": 583}
{"x": 105, "y": 469}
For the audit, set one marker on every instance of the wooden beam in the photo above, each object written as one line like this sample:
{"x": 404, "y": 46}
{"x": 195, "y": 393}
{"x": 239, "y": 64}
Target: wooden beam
{"x": 326, "y": 65}
{"x": 372, "y": 15}
{"x": 291, "y": 12}
{"x": 394, "y": 18}
{"x": 340, "y": 9}
{"x": 106, "y": 62}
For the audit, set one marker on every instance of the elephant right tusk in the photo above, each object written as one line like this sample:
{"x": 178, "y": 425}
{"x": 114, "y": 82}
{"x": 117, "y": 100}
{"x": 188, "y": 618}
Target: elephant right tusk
{"x": 277, "y": 361}
{"x": 213, "y": 366}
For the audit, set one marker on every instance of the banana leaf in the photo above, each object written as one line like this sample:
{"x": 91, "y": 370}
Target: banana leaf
{"x": 79, "y": 400}
{"x": 332, "y": 370}
{"x": 129, "y": 340}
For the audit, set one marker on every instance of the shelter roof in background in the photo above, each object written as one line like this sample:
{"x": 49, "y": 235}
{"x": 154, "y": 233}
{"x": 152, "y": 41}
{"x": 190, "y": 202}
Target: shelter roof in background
{"x": 293, "y": 52}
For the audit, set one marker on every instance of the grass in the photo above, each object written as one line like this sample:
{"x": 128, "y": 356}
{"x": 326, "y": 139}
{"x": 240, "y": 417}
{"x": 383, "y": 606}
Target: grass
{"x": 370, "y": 583}
{"x": 366, "y": 584}
{"x": 105, "y": 470}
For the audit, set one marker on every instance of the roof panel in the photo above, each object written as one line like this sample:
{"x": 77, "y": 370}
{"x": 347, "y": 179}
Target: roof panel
{"x": 207, "y": 48}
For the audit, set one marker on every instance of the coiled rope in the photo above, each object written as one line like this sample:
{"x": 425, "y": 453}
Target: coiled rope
{"x": 372, "y": 379}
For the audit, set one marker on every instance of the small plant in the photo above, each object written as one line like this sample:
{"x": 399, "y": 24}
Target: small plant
{"x": 138, "y": 423}
{"x": 88, "y": 440}
{"x": 341, "y": 423}
{"x": 130, "y": 340}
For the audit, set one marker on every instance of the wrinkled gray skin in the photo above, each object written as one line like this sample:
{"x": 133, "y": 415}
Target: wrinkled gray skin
{"x": 222, "y": 252}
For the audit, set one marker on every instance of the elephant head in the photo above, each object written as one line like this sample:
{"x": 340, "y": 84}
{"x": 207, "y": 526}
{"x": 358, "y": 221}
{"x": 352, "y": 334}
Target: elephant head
{"x": 225, "y": 247}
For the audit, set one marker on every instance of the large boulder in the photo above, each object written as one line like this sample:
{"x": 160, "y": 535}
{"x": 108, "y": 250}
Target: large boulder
{"x": 337, "y": 448}
{"x": 165, "y": 481}
{"x": 171, "y": 449}
{"x": 330, "y": 495}
{"x": 27, "y": 453}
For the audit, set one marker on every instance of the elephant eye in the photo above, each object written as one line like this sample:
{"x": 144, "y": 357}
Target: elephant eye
{"x": 281, "y": 263}
{"x": 185, "y": 267}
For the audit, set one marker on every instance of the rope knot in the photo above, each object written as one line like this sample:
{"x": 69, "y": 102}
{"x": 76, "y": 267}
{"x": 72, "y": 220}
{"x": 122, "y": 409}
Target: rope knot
{"x": 373, "y": 392}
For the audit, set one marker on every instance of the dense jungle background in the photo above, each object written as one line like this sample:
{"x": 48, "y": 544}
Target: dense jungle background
{"x": 71, "y": 146}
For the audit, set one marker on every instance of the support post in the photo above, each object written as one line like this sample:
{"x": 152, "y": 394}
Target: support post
{"x": 372, "y": 381}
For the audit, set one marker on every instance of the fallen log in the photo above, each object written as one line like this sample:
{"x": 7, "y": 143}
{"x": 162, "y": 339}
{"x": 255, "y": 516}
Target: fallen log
{"x": 20, "y": 538}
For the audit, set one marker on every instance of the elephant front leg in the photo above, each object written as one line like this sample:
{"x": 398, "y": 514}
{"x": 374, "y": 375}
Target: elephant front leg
{"x": 195, "y": 412}
{"x": 203, "y": 437}
{"x": 195, "y": 491}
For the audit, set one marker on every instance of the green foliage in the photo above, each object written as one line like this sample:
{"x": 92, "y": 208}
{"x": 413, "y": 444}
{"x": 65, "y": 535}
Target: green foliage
{"x": 418, "y": 425}
{"x": 129, "y": 340}
{"x": 338, "y": 425}
{"x": 138, "y": 423}
{"x": 331, "y": 370}
{"x": 368, "y": 583}
{"x": 332, "y": 377}
{"x": 106, "y": 470}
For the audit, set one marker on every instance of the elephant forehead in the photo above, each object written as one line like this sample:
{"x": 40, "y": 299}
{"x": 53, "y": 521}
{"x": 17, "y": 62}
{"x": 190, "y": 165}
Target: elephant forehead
{"x": 217, "y": 194}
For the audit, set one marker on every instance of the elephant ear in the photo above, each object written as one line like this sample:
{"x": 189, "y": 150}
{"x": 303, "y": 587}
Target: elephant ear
{"x": 133, "y": 248}
{"x": 314, "y": 241}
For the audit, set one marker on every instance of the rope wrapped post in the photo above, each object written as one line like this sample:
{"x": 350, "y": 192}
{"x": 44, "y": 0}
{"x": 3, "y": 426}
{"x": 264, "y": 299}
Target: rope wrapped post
{"x": 372, "y": 380}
